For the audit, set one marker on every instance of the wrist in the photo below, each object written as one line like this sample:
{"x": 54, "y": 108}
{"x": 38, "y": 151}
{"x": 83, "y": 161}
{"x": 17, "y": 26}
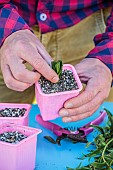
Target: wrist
{"x": 17, "y": 35}
{"x": 105, "y": 68}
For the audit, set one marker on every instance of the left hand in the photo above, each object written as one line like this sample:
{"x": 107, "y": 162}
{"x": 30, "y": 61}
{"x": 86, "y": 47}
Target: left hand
{"x": 98, "y": 78}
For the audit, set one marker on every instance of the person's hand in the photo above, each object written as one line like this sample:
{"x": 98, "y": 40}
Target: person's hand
{"x": 20, "y": 47}
{"x": 98, "y": 78}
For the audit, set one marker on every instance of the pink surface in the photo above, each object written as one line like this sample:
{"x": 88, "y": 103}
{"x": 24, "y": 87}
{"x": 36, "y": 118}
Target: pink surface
{"x": 20, "y": 156}
{"x": 50, "y": 104}
{"x": 17, "y": 120}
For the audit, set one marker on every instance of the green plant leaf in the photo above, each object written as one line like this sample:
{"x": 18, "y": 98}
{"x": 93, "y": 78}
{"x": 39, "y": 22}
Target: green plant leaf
{"x": 57, "y": 66}
{"x": 98, "y": 165}
{"x": 110, "y": 117}
{"x": 100, "y": 129}
{"x": 88, "y": 144}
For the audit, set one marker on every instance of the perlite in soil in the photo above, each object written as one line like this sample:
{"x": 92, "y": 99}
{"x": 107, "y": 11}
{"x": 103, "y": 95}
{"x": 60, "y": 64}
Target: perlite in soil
{"x": 66, "y": 82}
{"x": 12, "y": 137}
{"x": 12, "y": 112}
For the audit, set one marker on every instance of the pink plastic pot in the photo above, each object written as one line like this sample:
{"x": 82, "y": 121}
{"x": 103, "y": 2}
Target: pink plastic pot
{"x": 50, "y": 104}
{"x": 17, "y": 120}
{"x": 20, "y": 156}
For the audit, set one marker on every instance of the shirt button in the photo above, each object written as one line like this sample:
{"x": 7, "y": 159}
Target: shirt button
{"x": 43, "y": 17}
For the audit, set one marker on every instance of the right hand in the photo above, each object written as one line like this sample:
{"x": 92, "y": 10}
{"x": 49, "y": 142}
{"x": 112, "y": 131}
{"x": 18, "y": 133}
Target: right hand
{"x": 20, "y": 47}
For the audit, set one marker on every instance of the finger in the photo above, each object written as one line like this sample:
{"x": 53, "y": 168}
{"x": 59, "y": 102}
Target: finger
{"x": 83, "y": 79}
{"x": 45, "y": 55}
{"x": 78, "y": 117}
{"x": 36, "y": 60}
{"x": 86, "y": 96}
{"x": 20, "y": 72}
{"x": 10, "y": 82}
{"x": 96, "y": 102}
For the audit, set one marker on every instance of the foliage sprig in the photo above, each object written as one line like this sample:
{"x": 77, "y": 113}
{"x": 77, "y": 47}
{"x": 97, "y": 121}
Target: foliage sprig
{"x": 103, "y": 154}
{"x": 57, "y": 66}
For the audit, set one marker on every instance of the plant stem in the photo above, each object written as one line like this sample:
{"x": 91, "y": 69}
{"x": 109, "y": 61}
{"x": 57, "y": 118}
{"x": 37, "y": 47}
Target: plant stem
{"x": 103, "y": 153}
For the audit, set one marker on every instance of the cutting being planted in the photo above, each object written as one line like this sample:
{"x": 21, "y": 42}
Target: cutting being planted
{"x": 57, "y": 66}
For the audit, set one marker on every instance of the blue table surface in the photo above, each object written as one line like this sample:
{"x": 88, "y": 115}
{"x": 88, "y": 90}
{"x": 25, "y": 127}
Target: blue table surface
{"x": 53, "y": 157}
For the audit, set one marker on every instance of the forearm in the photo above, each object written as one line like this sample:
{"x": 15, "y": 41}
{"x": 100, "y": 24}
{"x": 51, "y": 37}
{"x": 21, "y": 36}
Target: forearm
{"x": 104, "y": 45}
{"x": 10, "y": 20}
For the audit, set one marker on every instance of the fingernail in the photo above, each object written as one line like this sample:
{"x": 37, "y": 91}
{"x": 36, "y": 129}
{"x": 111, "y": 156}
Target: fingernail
{"x": 63, "y": 113}
{"x": 55, "y": 79}
{"x": 67, "y": 120}
{"x": 69, "y": 105}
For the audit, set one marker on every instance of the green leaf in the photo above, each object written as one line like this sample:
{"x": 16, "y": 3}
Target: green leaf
{"x": 57, "y": 66}
{"x": 110, "y": 117}
{"x": 70, "y": 168}
{"x": 93, "y": 153}
{"x": 98, "y": 165}
{"x": 100, "y": 129}
{"x": 78, "y": 168}
{"x": 88, "y": 144}
{"x": 111, "y": 154}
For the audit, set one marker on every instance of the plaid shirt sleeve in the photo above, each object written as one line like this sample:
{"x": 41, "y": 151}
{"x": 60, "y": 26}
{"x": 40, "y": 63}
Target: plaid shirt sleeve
{"x": 104, "y": 45}
{"x": 10, "y": 20}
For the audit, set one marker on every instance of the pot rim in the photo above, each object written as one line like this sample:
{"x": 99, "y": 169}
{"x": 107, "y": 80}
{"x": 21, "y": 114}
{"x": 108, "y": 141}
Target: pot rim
{"x": 65, "y": 66}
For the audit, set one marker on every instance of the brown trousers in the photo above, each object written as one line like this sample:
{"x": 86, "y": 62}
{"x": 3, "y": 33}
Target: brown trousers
{"x": 70, "y": 45}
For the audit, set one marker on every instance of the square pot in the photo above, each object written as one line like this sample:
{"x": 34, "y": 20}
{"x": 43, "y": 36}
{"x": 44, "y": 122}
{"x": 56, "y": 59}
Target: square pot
{"x": 20, "y": 156}
{"x": 50, "y": 104}
{"x": 17, "y": 120}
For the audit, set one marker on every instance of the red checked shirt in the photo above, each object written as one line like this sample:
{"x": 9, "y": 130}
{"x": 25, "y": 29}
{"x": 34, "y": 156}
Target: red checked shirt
{"x": 54, "y": 14}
